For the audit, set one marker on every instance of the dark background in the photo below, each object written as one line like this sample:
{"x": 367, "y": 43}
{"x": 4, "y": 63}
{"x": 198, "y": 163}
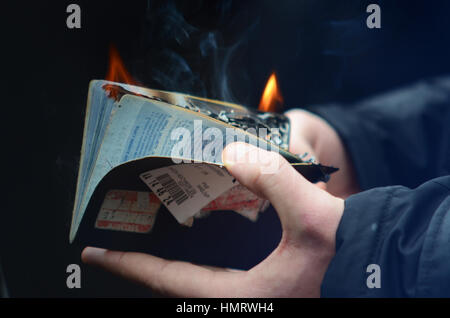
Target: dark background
{"x": 321, "y": 50}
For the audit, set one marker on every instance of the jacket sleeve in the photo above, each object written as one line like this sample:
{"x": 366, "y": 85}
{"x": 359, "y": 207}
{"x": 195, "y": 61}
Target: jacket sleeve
{"x": 402, "y": 137}
{"x": 405, "y": 232}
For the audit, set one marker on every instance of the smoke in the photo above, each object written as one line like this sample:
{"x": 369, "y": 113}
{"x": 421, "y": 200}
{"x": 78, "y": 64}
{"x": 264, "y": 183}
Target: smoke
{"x": 216, "y": 49}
{"x": 175, "y": 74}
{"x": 226, "y": 66}
{"x": 190, "y": 48}
{"x": 208, "y": 44}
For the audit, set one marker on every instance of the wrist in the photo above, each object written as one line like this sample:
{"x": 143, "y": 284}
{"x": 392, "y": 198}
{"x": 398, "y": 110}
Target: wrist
{"x": 323, "y": 232}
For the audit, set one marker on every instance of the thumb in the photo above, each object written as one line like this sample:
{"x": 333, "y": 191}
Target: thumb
{"x": 270, "y": 176}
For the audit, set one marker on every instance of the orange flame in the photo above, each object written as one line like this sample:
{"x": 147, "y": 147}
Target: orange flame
{"x": 116, "y": 70}
{"x": 271, "y": 99}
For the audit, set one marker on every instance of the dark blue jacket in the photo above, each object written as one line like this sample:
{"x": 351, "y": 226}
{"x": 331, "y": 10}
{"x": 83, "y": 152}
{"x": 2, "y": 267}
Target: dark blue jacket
{"x": 400, "y": 147}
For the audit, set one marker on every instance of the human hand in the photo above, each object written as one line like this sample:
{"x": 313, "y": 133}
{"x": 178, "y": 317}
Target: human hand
{"x": 312, "y": 134}
{"x": 309, "y": 217}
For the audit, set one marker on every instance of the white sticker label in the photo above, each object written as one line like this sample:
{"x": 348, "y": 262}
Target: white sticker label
{"x": 186, "y": 188}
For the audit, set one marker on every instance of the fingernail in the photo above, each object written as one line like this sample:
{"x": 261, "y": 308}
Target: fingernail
{"x": 228, "y": 156}
{"x": 227, "y": 162}
{"x": 90, "y": 254}
{"x": 233, "y": 153}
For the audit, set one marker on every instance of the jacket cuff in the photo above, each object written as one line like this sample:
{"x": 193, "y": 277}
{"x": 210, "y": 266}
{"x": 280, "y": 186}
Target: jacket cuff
{"x": 357, "y": 239}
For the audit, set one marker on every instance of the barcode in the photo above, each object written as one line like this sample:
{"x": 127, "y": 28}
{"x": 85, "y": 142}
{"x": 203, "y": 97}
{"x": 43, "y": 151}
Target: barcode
{"x": 173, "y": 188}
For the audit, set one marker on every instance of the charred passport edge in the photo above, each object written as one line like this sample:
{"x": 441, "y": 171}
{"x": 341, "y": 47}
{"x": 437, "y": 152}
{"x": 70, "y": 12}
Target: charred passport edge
{"x": 244, "y": 121}
{"x": 255, "y": 119}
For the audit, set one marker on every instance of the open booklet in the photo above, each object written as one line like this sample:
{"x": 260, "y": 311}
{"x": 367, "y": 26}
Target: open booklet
{"x": 152, "y": 159}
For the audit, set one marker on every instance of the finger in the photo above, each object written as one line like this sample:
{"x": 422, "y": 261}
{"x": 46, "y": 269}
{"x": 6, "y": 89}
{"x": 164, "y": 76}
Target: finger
{"x": 301, "y": 148}
{"x": 284, "y": 187}
{"x": 301, "y": 141}
{"x": 175, "y": 278}
{"x": 301, "y": 136}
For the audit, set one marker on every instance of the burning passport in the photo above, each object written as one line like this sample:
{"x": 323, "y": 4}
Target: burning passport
{"x": 151, "y": 162}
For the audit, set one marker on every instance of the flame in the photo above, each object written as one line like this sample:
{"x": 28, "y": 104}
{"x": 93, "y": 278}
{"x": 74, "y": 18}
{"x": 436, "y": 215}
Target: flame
{"x": 271, "y": 99}
{"x": 116, "y": 70}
